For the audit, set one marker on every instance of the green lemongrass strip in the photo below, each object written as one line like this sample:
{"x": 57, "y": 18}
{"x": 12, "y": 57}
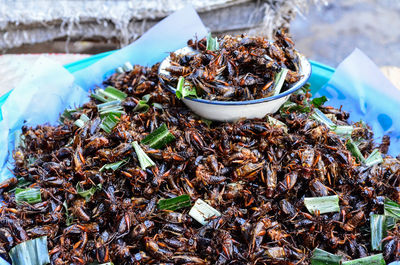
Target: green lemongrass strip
{"x": 112, "y": 92}
{"x": 68, "y": 217}
{"x": 82, "y": 121}
{"x": 84, "y": 118}
{"x": 109, "y": 122}
{"x": 144, "y": 159}
{"x": 391, "y": 208}
{"x": 119, "y": 70}
{"x": 142, "y": 107}
{"x": 378, "y": 230}
{"x": 303, "y": 107}
{"x": 109, "y": 104}
{"x": 127, "y": 67}
{"x": 322, "y": 257}
{"x": 185, "y": 89}
{"x": 318, "y": 102}
{"x": 212, "y": 43}
{"x": 114, "y": 112}
{"x": 99, "y": 95}
{"x": 277, "y": 123}
{"x": 142, "y": 104}
{"x": 146, "y": 98}
{"x": 320, "y": 117}
{"x": 202, "y": 212}
{"x": 287, "y": 106}
{"x": 325, "y": 204}
{"x": 87, "y": 194}
{"x": 344, "y": 130}
{"x": 179, "y": 87}
{"x": 157, "y": 105}
{"x": 188, "y": 90}
{"x": 159, "y": 137}
{"x": 370, "y": 260}
{"x": 113, "y": 166}
{"x": 353, "y": 148}
{"x": 31, "y": 252}
{"x": 279, "y": 80}
{"x": 104, "y": 96}
{"x": 114, "y": 108}
{"x": 109, "y": 94}
{"x": 79, "y": 123}
{"x": 29, "y": 195}
{"x": 374, "y": 158}
{"x": 290, "y": 106}
{"x": 174, "y": 204}
{"x": 390, "y": 222}
{"x": 338, "y": 129}
{"x": 111, "y": 109}
{"x": 107, "y": 126}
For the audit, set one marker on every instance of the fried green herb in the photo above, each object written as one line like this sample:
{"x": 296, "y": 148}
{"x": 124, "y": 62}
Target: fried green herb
{"x": 159, "y": 137}
{"x": 326, "y": 204}
{"x": 174, "y": 204}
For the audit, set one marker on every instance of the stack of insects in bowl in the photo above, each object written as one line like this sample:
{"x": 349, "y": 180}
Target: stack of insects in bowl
{"x": 134, "y": 177}
{"x": 237, "y": 68}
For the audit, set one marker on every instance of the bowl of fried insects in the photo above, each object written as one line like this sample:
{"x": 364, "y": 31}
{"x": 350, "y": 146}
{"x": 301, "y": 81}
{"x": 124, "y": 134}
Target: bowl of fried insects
{"x": 235, "y": 77}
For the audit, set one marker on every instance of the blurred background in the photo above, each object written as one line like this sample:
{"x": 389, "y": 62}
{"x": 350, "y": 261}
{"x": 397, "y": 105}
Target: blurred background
{"x": 329, "y": 33}
{"x": 324, "y": 30}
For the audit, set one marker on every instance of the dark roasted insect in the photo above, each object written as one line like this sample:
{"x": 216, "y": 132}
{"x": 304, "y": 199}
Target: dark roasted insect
{"x": 244, "y": 68}
{"x": 254, "y": 173}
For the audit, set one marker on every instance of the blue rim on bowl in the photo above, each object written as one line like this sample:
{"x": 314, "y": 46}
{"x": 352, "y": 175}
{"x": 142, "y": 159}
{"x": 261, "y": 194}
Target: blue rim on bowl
{"x": 304, "y": 65}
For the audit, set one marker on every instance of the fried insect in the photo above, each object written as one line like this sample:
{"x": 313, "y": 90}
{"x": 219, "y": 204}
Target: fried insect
{"x": 255, "y": 174}
{"x": 243, "y": 68}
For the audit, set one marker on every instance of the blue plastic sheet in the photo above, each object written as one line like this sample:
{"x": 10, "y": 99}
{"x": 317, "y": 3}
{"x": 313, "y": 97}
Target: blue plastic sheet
{"x": 167, "y": 36}
{"x": 49, "y": 88}
{"x": 39, "y": 98}
{"x": 361, "y": 89}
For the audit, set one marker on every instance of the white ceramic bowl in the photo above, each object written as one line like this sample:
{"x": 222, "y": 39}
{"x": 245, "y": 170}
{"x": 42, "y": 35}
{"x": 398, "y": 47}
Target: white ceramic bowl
{"x": 235, "y": 110}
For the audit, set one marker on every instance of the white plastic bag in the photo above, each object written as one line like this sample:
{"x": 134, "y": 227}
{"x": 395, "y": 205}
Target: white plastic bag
{"x": 49, "y": 88}
{"x": 362, "y": 90}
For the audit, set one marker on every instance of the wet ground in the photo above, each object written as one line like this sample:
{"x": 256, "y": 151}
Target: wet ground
{"x": 329, "y": 34}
